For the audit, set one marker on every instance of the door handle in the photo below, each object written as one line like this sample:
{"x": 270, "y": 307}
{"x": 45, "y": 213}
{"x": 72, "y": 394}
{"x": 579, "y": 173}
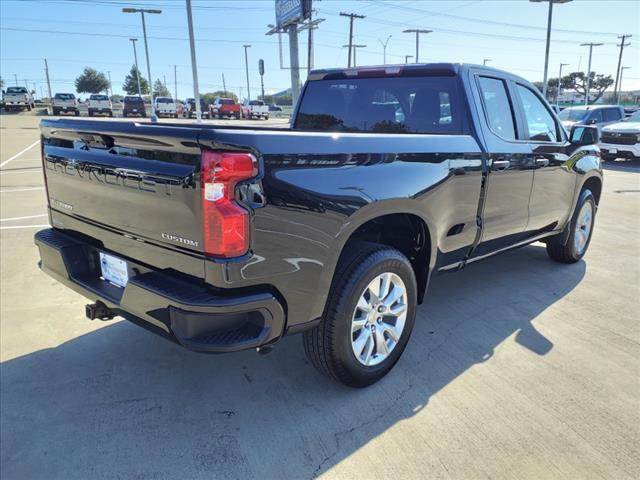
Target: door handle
{"x": 500, "y": 164}
{"x": 542, "y": 162}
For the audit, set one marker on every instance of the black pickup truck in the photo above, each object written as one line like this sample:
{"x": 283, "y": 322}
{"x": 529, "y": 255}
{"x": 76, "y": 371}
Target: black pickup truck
{"x": 228, "y": 238}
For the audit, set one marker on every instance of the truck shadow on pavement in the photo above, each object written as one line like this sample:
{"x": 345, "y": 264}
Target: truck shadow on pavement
{"x": 122, "y": 403}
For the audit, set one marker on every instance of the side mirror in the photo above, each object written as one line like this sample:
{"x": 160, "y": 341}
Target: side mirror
{"x": 583, "y": 135}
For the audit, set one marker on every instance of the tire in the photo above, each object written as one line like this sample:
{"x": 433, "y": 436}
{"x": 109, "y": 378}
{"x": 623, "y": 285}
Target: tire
{"x": 111, "y": 113}
{"x": 77, "y": 113}
{"x": 331, "y": 346}
{"x": 175, "y": 115}
{"x": 56, "y": 111}
{"x": 238, "y": 117}
{"x": 90, "y": 113}
{"x": 266, "y": 117}
{"x": 573, "y": 249}
{"x": 28, "y": 107}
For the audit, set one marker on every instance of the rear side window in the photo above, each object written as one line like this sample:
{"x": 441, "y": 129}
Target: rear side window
{"x": 16, "y": 90}
{"x": 98, "y": 97}
{"x": 226, "y": 101}
{"x": 612, "y": 114}
{"x": 427, "y": 104}
{"x": 540, "y": 123}
{"x": 497, "y": 107}
{"x": 64, "y": 96}
{"x": 164, "y": 100}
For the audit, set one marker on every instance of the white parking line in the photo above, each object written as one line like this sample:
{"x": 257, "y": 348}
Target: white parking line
{"x": 13, "y": 227}
{"x": 22, "y": 218}
{"x": 19, "y": 153}
{"x": 11, "y": 190}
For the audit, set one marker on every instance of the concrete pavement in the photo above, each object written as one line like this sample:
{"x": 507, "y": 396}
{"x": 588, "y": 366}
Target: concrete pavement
{"x": 518, "y": 367}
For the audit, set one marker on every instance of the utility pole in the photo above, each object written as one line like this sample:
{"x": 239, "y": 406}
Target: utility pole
{"x": 15, "y": 75}
{"x": 164, "y": 79}
{"x": 548, "y": 44}
{"x": 194, "y": 66}
{"x": 417, "y": 31}
{"x": 46, "y": 71}
{"x": 135, "y": 59}
{"x": 560, "y": 82}
{"x": 142, "y": 11}
{"x": 110, "y": 86}
{"x": 407, "y": 57}
{"x": 224, "y": 84}
{"x": 294, "y": 61}
{"x": 622, "y": 45}
{"x": 384, "y": 49}
{"x": 246, "y": 68}
{"x": 351, "y": 16}
{"x": 590, "y": 45}
{"x": 175, "y": 83}
{"x": 486, "y": 60}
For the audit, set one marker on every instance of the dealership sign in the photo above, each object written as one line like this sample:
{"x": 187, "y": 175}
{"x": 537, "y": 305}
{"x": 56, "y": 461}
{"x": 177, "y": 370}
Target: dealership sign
{"x": 291, "y": 11}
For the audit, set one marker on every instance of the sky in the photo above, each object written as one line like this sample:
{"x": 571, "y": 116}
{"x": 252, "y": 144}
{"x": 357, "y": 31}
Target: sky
{"x": 73, "y": 34}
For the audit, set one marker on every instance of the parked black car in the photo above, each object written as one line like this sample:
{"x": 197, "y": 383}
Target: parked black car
{"x": 226, "y": 238}
{"x": 133, "y": 105}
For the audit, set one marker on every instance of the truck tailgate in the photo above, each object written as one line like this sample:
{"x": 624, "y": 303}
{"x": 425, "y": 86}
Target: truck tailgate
{"x": 133, "y": 179}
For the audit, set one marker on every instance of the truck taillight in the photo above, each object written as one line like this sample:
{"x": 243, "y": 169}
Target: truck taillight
{"x": 225, "y": 224}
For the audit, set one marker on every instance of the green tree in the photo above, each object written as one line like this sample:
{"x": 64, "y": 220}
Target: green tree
{"x": 130, "y": 85}
{"x": 92, "y": 81}
{"x": 160, "y": 89}
{"x": 578, "y": 82}
{"x": 211, "y": 96}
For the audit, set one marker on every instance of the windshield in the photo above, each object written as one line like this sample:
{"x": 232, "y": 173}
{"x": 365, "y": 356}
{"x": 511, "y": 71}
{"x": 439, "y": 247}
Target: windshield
{"x": 16, "y": 90}
{"x": 635, "y": 117}
{"x": 65, "y": 96}
{"x": 99, "y": 97}
{"x": 164, "y": 100}
{"x": 573, "y": 114}
{"x": 427, "y": 104}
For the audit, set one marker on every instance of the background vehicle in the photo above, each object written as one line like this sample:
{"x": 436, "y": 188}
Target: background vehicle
{"x": 190, "y": 108}
{"x": 165, "y": 106}
{"x": 275, "y": 108}
{"x": 622, "y": 139}
{"x": 599, "y": 115}
{"x": 255, "y": 109}
{"x": 65, "y": 103}
{"x": 18, "y": 98}
{"x": 100, "y": 104}
{"x": 228, "y": 238}
{"x": 133, "y": 105}
{"x": 225, "y": 107}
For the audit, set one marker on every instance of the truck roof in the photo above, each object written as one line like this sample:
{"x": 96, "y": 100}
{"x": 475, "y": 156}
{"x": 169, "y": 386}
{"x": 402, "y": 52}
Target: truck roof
{"x": 404, "y": 69}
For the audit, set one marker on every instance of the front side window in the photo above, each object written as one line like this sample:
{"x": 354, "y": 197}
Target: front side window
{"x": 612, "y": 115}
{"x": 595, "y": 116}
{"x": 498, "y": 107}
{"x": 540, "y": 123}
{"x": 428, "y": 104}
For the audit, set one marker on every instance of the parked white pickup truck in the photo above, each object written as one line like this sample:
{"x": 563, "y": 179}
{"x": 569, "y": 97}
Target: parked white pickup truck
{"x": 255, "y": 109}
{"x": 65, "y": 103}
{"x": 18, "y": 98}
{"x": 165, "y": 106}
{"x": 100, "y": 104}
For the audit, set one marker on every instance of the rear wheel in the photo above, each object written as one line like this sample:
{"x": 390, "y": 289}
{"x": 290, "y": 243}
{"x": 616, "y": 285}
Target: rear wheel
{"x": 580, "y": 231}
{"x": 368, "y": 319}
{"x": 77, "y": 113}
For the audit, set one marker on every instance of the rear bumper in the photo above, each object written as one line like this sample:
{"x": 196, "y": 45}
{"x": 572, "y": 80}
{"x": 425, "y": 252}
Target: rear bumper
{"x": 181, "y": 309}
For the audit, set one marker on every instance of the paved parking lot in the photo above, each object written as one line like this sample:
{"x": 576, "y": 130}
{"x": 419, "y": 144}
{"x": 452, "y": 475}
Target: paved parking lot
{"x": 518, "y": 368}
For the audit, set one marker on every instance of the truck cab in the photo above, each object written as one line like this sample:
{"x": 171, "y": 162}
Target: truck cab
{"x": 100, "y": 105}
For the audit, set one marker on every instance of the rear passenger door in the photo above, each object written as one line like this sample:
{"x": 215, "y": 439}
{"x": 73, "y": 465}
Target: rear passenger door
{"x": 506, "y": 208}
{"x": 553, "y": 183}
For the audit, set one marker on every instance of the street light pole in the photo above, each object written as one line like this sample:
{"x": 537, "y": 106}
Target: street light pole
{"x": 246, "y": 68}
{"x": 194, "y": 65}
{"x": 135, "y": 59}
{"x": 486, "y": 60}
{"x": 407, "y": 57}
{"x": 590, "y": 45}
{"x": 417, "y": 31}
{"x": 354, "y": 47}
{"x": 384, "y": 49}
{"x": 142, "y": 11}
{"x": 548, "y": 45}
{"x": 559, "y": 82}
